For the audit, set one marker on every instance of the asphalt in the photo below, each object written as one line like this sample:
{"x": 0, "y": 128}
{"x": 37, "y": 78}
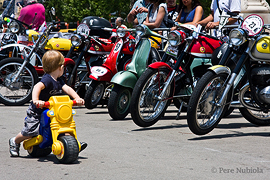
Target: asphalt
{"x": 236, "y": 149}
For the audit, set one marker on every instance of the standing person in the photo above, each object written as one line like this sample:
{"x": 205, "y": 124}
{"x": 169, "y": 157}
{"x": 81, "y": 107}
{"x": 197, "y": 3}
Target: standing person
{"x": 51, "y": 84}
{"x": 217, "y": 6}
{"x": 157, "y": 14}
{"x": 33, "y": 13}
{"x": 173, "y": 9}
{"x": 191, "y": 12}
{"x": 138, "y": 13}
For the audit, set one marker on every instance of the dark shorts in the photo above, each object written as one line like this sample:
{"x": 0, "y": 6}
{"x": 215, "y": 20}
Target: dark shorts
{"x": 31, "y": 122}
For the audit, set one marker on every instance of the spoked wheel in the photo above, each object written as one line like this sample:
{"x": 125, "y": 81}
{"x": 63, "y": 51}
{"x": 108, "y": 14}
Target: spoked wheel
{"x": 70, "y": 149}
{"x": 203, "y": 112}
{"x": 18, "y": 92}
{"x": 67, "y": 73}
{"x": 119, "y": 102}
{"x": 94, "y": 94}
{"x": 259, "y": 118}
{"x": 36, "y": 151}
{"x": 147, "y": 109}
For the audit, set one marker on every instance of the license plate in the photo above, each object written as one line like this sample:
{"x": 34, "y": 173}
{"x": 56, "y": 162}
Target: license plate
{"x": 172, "y": 50}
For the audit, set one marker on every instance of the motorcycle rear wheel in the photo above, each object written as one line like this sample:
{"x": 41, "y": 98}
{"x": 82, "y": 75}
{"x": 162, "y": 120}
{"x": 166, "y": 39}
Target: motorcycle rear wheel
{"x": 70, "y": 149}
{"x": 144, "y": 97}
{"x": 94, "y": 94}
{"x": 203, "y": 114}
{"x": 19, "y": 92}
{"x": 119, "y": 102}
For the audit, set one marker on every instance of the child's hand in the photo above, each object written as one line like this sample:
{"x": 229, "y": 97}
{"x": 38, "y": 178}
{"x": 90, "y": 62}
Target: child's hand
{"x": 79, "y": 101}
{"x": 39, "y": 103}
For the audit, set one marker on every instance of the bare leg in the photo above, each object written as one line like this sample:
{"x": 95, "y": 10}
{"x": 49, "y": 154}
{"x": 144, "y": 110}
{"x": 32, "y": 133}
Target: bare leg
{"x": 19, "y": 138}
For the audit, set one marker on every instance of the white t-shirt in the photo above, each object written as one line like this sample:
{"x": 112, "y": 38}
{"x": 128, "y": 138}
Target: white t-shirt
{"x": 153, "y": 15}
{"x": 226, "y": 5}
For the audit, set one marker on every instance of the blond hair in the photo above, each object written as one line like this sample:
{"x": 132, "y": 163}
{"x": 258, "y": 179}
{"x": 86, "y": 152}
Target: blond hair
{"x": 52, "y": 60}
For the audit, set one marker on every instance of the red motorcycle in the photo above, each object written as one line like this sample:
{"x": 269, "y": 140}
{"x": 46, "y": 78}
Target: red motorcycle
{"x": 120, "y": 55}
{"x": 93, "y": 45}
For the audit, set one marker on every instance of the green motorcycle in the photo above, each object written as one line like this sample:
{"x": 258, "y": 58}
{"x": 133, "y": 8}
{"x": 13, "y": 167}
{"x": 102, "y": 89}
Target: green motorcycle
{"x": 124, "y": 81}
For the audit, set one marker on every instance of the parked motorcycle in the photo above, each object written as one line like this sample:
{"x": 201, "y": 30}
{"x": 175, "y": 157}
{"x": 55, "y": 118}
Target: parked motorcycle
{"x": 57, "y": 132}
{"x": 93, "y": 45}
{"x": 99, "y": 87}
{"x": 161, "y": 82}
{"x": 124, "y": 81}
{"x": 18, "y": 75}
{"x": 214, "y": 93}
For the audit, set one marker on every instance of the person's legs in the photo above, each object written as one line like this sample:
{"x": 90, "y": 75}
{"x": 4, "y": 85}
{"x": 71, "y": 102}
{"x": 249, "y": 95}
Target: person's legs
{"x": 14, "y": 144}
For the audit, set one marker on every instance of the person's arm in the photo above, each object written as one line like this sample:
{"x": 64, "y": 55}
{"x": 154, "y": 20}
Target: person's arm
{"x": 69, "y": 91}
{"x": 35, "y": 94}
{"x": 197, "y": 16}
{"x": 158, "y": 21}
{"x": 206, "y": 20}
{"x": 132, "y": 15}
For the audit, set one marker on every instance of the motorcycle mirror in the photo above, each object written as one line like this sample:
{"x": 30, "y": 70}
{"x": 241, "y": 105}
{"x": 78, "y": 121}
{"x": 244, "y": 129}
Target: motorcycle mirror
{"x": 53, "y": 11}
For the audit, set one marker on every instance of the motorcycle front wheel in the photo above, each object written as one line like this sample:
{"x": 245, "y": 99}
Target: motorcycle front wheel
{"x": 146, "y": 108}
{"x": 70, "y": 149}
{"x": 119, "y": 102}
{"x": 18, "y": 92}
{"x": 94, "y": 94}
{"x": 203, "y": 113}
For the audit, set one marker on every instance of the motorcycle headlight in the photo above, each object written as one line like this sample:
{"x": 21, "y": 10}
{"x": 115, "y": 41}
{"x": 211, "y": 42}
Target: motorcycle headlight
{"x": 237, "y": 37}
{"x": 14, "y": 27}
{"x": 120, "y": 32}
{"x": 174, "y": 38}
{"x": 141, "y": 30}
{"x": 76, "y": 40}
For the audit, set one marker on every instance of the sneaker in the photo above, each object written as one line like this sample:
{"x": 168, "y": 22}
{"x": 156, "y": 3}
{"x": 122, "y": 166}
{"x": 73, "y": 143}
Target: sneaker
{"x": 13, "y": 147}
{"x": 83, "y": 145}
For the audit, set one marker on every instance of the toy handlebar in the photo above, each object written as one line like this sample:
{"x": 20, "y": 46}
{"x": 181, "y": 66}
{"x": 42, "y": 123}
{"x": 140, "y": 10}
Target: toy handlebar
{"x": 47, "y": 104}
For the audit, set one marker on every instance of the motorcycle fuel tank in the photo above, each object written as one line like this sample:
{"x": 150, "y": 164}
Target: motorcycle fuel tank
{"x": 261, "y": 51}
{"x": 204, "y": 47}
{"x": 101, "y": 49}
{"x": 59, "y": 44}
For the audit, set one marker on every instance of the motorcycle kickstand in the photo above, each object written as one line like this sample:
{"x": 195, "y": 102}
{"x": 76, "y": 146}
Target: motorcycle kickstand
{"x": 179, "y": 111}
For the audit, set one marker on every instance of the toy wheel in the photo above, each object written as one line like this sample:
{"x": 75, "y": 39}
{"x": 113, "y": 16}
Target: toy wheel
{"x": 70, "y": 149}
{"x": 36, "y": 151}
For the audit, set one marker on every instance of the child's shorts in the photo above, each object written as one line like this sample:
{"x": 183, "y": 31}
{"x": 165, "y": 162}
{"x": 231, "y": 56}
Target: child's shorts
{"x": 31, "y": 122}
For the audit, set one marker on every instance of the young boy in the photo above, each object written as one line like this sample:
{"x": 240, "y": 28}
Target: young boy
{"x": 50, "y": 85}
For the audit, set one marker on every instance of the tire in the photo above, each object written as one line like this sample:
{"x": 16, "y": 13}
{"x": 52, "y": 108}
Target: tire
{"x": 119, "y": 102}
{"x": 203, "y": 116}
{"x": 36, "y": 151}
{"x": 94, "y": 94}
{"x": 19, "y": 92}
{"x": 144, "y": 97}
{"x": 67, "y": 73}
{"x": 123, "y": 63}
{"x": 70, "y": 149}
{"x": 259, "y": 118}
{"x": 256, "y": 117}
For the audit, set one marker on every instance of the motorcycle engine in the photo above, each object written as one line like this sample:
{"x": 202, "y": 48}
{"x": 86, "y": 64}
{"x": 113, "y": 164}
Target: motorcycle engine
{"x": 260, "y": 76}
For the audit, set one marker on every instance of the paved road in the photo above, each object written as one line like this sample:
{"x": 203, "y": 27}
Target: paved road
{"x": 121, "y": 150}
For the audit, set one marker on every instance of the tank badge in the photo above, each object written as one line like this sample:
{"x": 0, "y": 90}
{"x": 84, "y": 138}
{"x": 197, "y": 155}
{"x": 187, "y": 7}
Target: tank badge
{"x": 57, "y": 45}
{"x": 202, "y": 49}
{"x": 96, "y": 47}
{"x": 264, "y": 45}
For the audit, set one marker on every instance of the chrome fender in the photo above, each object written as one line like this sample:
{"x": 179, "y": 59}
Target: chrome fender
{"x": 125, "y": 78}
{"x": 218, "y": 69}
{"x": 22, "y": 46}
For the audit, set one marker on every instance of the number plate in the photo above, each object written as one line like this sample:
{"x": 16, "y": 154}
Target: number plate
{"x": 173, "y": 51}
{"x": 98, "y": 70}
{"x": 83, "y": 29}
{"x": 253, "y": 23}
